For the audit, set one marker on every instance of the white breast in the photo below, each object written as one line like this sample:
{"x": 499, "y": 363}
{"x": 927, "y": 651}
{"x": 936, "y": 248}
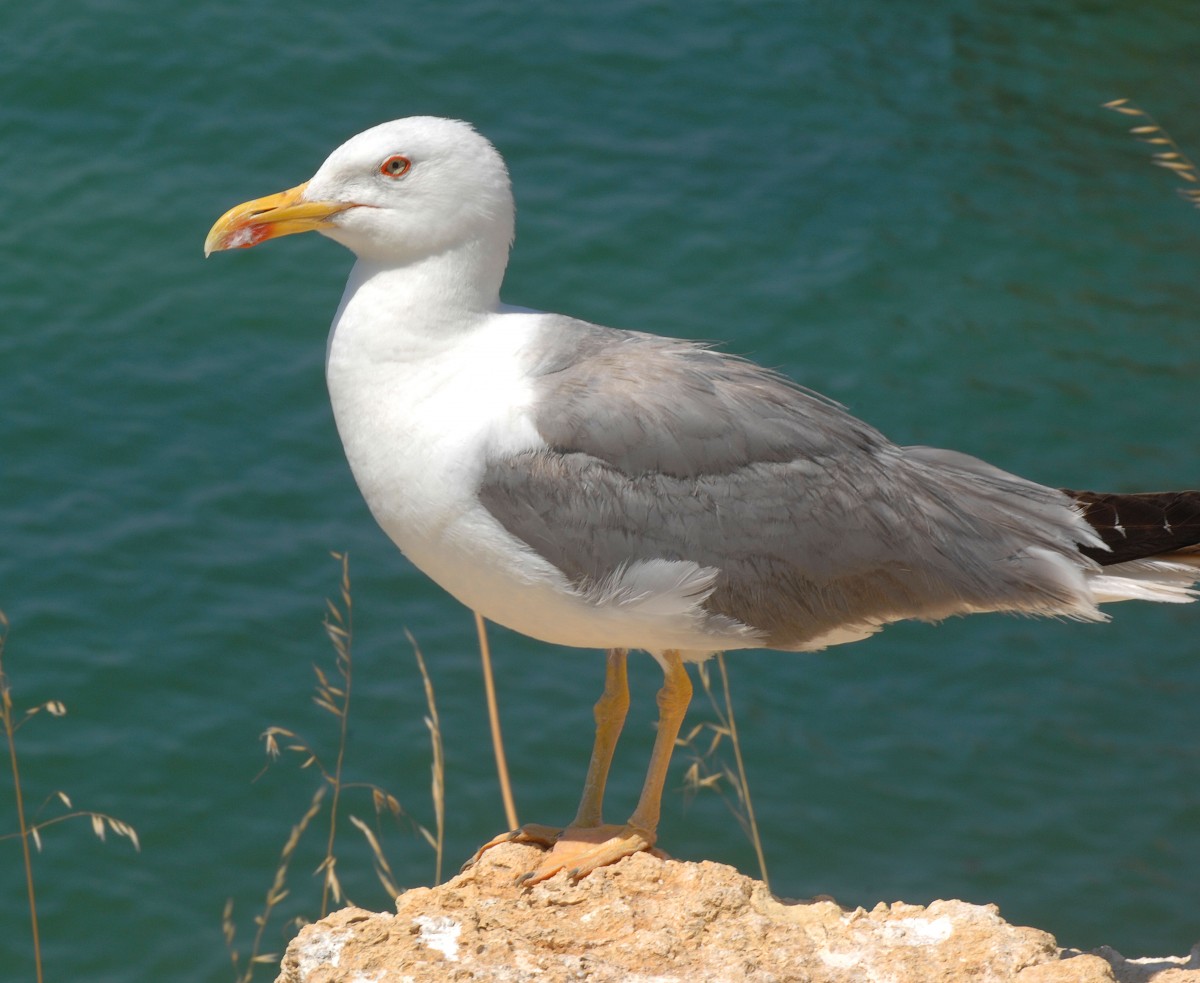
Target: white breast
{"x": 421, "y": 410}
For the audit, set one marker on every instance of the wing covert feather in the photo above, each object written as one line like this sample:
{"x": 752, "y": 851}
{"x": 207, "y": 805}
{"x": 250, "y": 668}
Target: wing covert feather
{"x": 645, "y": 403}
{"x": 660, "y": 449}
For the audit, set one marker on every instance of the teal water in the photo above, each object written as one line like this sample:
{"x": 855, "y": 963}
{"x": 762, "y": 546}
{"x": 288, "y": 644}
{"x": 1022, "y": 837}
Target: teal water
{"x": 919, "y": 209}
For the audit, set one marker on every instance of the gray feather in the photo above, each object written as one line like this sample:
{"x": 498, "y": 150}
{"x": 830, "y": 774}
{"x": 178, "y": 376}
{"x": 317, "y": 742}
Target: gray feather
{"x": 662, "y": 449}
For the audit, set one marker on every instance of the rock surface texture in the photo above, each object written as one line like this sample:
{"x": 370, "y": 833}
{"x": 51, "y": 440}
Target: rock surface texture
{"x": 646, "y": 920}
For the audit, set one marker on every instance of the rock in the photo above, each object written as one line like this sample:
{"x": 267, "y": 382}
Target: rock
{"x": 647, "y": 920}
{"x": 1081, "y": 968}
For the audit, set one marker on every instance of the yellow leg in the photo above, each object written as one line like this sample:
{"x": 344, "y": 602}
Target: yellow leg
{"x": 610, "y": 713}
{"x": 581, "y": 849}
{"x": 673, "y": 700}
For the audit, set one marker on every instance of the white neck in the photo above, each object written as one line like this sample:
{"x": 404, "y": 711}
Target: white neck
{"x": 436, "y": 296}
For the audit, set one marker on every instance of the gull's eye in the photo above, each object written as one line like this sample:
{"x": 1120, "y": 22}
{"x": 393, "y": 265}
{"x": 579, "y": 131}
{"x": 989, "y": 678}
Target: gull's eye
{"x": 395, "y": 166}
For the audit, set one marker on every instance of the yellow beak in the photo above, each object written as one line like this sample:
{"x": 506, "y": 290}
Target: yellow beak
{"x": 266, "y": 218}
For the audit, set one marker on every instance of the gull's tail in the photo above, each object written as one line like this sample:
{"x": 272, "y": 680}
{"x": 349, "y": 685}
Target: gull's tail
{"x": 1153, "y": 541}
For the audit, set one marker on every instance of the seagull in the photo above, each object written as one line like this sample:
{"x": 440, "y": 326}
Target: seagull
{"x": 610, "y": 489}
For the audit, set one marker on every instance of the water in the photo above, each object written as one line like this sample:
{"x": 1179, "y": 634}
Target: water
{"x": 919, "y": 210}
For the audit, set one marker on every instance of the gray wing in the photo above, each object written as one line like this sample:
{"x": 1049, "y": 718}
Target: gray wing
{"x": 666, "y": 450}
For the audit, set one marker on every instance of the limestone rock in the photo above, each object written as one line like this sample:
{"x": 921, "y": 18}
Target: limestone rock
{"x": 647, "y": 920}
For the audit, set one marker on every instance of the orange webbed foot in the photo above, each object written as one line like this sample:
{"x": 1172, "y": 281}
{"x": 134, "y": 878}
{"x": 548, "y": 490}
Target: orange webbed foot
{"x": 547, "y": 836}
{"x": 580, "y": 850}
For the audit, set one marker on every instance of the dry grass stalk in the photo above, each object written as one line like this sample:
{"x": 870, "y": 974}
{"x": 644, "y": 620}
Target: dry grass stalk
{"x": 438, "y": 768}
{"x": 275, "y": 894}
{"x": 332, "y": 694}
{"x": 1170, "y": 157}
{"x": 382, "y": 870}
{"x": 29, "y": 831}
{"x": 339, "y": 626}
{"x": 10, "y": 729}
{"x": 489, "y": 685}
{"x": 707, "y": 771}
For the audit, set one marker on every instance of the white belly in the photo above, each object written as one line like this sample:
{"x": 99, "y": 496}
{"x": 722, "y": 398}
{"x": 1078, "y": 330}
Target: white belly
{"x": 418, "y": 431}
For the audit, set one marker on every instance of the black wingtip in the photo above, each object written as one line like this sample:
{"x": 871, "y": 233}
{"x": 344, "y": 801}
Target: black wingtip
{"x": 1139, "y": 525}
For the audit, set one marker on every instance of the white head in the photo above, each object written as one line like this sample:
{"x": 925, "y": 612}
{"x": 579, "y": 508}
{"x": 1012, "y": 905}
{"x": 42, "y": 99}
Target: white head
{"x": 394, "y": 195}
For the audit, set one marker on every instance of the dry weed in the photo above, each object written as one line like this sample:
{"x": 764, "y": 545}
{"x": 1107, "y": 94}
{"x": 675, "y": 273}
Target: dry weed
{"x": 1170, "y": 156}
{"x": 29, "y": 829}
{"x": 708, "y": 771}
{"x": 332, "y": 694}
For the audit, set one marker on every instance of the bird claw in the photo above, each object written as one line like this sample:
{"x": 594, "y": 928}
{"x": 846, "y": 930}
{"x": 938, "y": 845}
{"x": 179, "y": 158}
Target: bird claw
{"x": 547, "y": 836}
{"x": 580, "y": 850}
